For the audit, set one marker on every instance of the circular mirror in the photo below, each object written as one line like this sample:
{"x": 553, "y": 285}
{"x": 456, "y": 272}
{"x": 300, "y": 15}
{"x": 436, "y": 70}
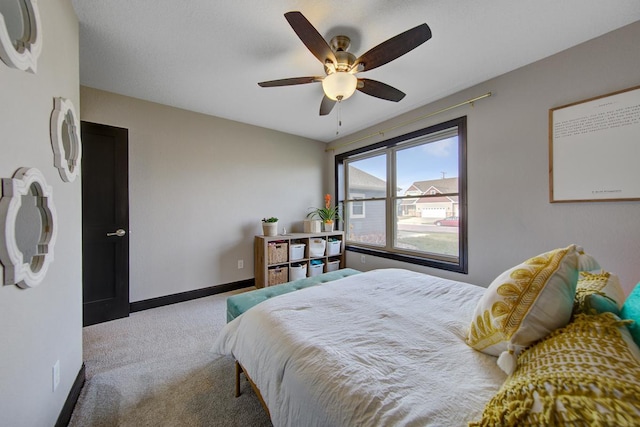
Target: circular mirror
{"x": 16, "y": 20}
{"x": 20, "y": 39}
{"x": 30, "y": 227}
{"x": 67, "y": 146}
{"x": 65, "y": 139}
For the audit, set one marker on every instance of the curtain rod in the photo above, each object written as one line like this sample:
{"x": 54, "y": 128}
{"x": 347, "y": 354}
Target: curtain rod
{"x": 408, "y": 122}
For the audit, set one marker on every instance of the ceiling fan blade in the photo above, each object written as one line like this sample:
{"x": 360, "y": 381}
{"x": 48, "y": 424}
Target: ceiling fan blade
{"x": 326, "y": 106}
{"x": 393, "y": 48}
{"x": 310, "y": 37}
{"x": 380, "y": 90}
{"x": 290, "y": 81}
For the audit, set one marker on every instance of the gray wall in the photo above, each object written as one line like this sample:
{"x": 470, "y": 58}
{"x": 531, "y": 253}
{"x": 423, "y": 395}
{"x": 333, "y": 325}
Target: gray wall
{"x": 198, "y": 188}
{"x": 42, "y": 324}
{"x": 510, "y": 217}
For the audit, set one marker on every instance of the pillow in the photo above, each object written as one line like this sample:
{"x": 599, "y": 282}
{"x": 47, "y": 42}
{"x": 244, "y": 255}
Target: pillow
{"x": 631, "y": 311}
{"x": 585, "y": 261}
{"x": 587, "y": 373}
{"x": 598, "y": 293}
{"x": 525, "y": 304}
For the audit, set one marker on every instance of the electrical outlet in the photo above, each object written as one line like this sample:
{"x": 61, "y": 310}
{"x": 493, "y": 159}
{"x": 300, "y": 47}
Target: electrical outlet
{"x": 56, "y": 375}
{"x": 240, "y": 264}
{"x": 363, "y": 259}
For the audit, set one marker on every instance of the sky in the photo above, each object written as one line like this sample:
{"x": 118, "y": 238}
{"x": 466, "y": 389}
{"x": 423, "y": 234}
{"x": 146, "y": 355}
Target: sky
{"x": 420, "y": 163}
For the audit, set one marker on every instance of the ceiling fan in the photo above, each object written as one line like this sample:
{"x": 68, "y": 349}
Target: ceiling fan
{"x": 341, "y": 66}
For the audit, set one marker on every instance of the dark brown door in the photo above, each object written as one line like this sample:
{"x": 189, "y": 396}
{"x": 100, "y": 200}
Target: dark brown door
{"x": 105, "y": 223}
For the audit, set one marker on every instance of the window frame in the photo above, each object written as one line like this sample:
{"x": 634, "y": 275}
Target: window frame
{"x": 389, "y": 145}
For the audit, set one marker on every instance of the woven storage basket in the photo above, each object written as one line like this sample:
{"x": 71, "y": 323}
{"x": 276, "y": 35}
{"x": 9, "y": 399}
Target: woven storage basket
{"x": 277, "y": 252}
{"x": 278, "y": 275}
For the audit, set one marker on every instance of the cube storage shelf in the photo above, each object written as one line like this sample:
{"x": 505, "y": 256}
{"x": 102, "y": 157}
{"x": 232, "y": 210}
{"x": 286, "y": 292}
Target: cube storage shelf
{"x": 282, "y": 258}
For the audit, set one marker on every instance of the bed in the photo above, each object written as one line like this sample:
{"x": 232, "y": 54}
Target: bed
{"x": 380, "y": 348}
{"x": 392, "y": 347}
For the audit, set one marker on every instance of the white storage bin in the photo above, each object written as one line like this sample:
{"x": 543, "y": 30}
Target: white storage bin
{"x": 298, "y": 271}
{"x": 333, "y": 248}
{"x": 296, "y": 251}
{"x": 317, "y": 247}
{"x": 314, "y": 270}
{"x": 332, "y": 266}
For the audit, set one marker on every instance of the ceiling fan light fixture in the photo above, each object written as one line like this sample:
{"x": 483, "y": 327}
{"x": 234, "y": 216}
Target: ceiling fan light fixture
{"x": 340, "y": 65}
{"x": 339, "y": 85}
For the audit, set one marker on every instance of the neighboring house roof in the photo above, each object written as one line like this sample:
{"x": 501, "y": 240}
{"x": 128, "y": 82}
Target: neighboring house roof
{"x": 361, "y": 180}
{"x": 441, "y": 199}
{"x": 453, "y": 199}
{"x": 441, "y": 186}
{"x": 444, "y": 185}
{"x": 438, "y": 199}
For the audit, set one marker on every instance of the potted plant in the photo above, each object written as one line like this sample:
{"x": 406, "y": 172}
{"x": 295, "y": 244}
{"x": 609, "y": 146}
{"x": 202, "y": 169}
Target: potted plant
{"x": 270, "y": 226}
{"x": 328, "y": 214}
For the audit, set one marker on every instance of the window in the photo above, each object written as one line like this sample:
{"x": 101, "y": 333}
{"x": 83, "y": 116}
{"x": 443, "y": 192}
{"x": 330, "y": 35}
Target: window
{"x": 414, "y": 190}
{"x": 356, "y": 206}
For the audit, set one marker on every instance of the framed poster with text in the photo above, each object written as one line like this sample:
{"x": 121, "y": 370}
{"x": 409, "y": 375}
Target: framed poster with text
{"x": 594, "y": 149}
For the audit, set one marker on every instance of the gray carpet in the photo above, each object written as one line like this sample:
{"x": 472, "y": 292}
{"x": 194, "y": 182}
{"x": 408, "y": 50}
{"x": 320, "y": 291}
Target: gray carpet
{"x": 155, "y": 368}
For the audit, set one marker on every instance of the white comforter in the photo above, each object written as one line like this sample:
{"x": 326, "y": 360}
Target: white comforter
{"x": 382, "y": 348}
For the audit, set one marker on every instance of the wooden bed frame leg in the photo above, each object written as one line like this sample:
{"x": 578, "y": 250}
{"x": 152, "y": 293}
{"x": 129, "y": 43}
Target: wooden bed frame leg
{"x": 238, "y": 371}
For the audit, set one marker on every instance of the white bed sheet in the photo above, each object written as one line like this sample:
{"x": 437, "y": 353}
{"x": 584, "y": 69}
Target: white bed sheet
{"x": 381, "y": 348}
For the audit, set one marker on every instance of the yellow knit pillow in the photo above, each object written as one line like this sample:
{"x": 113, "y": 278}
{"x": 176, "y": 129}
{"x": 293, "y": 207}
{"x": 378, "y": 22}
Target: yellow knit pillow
{"x": 598, "y": 292}
{"x": 526, "y": 303}
{"x": 585, "y": 374}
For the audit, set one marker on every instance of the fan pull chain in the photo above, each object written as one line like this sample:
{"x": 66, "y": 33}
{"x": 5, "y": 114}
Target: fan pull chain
{"x": 339, "y": 118}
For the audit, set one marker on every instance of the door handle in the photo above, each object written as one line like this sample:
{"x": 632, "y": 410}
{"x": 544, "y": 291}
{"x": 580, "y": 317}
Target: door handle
{"x": 119, "y": 232}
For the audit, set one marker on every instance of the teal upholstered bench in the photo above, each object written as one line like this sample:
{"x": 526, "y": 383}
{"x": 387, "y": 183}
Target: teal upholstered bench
{"x": 238, "y": 304}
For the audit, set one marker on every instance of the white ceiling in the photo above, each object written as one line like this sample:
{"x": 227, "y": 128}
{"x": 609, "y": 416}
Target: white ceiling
{"x": 208, "y": 55}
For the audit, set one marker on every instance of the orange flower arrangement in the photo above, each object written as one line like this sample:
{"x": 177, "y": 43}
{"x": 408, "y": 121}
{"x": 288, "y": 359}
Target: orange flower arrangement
{"x": 327, "y": 214}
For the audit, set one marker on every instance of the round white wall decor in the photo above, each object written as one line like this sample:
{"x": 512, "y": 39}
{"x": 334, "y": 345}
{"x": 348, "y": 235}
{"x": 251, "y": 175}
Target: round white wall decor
{"x": 20, "y": 34}
{"x": 65, "y": 139}
{"x": 29, "y": 225}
